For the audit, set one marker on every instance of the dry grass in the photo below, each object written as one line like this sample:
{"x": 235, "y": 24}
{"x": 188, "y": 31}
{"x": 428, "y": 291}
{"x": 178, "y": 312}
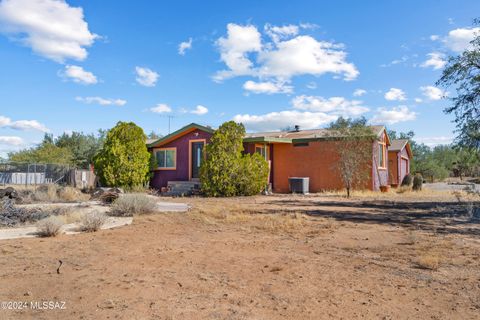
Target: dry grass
{"x": 69, "y": 194}
{"x": 429, "y": 261}
{"x": 70, "y": 214}
{"x": 93, "y": 221}
{"x": 133, "y": 203}
{"x": 49, "y": 227}
{"x": 405, "y": 192}
{"x": 238, "y": 215}
{"x": 53, "y": 193}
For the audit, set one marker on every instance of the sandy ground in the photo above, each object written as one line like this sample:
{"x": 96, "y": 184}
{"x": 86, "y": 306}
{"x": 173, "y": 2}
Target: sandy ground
{"x": 266, "y": 257}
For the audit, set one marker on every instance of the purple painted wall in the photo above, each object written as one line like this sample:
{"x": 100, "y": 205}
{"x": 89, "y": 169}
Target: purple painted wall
{"x": 161, "y": 177}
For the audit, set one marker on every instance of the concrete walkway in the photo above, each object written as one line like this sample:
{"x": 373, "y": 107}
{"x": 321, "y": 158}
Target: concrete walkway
{"x": 73, "y": 228}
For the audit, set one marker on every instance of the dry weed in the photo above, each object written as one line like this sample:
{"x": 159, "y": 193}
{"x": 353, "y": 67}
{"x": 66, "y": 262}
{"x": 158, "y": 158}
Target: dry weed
{"x": 49, "y": 227}
{"x": 69, "y": 194}
{"x": 429, "y": 261}
{"x": 92, "y": 221}
{"x": 133, "y": 203}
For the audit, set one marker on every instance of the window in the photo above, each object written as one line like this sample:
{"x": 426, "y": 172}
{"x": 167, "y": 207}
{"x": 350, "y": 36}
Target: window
{"x": 261, "y": 150}
{"x": 166, "y": 158}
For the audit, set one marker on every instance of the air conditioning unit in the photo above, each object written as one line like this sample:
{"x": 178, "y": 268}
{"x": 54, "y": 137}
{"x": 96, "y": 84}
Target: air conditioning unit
{"x": 299, "y": 184}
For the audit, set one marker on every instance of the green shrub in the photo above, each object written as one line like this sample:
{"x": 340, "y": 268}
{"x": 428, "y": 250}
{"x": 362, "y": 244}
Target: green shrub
{"x": 225, "y": 171}
{"x": 407, "y": 180}
{"x": 124, "y": 160}
{"x": 417, "y": 182}
{"x": 133, "y": 203}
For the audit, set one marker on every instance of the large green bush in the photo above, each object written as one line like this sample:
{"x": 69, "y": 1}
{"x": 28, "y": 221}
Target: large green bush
{"x": 226, "y": 172}
{"x": 124, "y": 160}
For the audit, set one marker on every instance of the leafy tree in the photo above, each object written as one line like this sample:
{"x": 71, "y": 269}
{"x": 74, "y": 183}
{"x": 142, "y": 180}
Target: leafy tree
{"x": 466, "y": 161}
{"x": 124, "y": 160}
{"x": 76, "y": 149}
{"x": 82, "y": 146}
{"x": 463, "y": 72}
{"x": 225, "y": 171}
{"x": 46, "y": 152}
{"x": 353, "y": 140}
{"x": 154, "y": 135}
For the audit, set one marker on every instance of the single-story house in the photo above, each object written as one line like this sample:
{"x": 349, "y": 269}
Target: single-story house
{"x": 296, "y": 153}
{"x": 399, "y": 157}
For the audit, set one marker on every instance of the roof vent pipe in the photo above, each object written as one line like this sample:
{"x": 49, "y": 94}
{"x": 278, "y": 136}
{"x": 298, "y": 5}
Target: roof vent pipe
{"x": 297, "y": 128}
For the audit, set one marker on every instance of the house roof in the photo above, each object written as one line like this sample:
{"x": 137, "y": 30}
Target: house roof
{"x": 184, "y": 130}
{"x": 399, "y": 145}
{"x": 297, "y": 136}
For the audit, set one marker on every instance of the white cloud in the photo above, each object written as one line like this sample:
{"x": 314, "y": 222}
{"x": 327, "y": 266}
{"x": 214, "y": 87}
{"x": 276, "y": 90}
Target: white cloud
{"x": 394, "y": 115}
{"x": 146, "y": 77}
{"x": 305, "y": 55}
{"x": 395, "y": 94}
{"x": 434, "y": 37}
{"x": 312, "y": 85}
{"x": 161, "y": 108}
{"x": 279, "y": 33}
{"x": 436, "y": 60}
{"x": 200, "y": 110}
{"x": 333, "y": 105}
{"x": 277, "y": 120}
{"x": 359, "y": 92}
{"x": 418, "y": 100}
{"x": 434, "y": 141}
{"x": 52, "y": 28}
{"x": 267, "y": 87}
{"x": 6, "y": 122}
{"x": 79, "y": 75}
{"x": 240, "y": 41}
{"x": 287, "y": 56}
{"x": 184, "y": 46}
{"x": 11, "y": 140}
{"x": 459, "y": 39}
{"x": 433, "y": 93}
{"x": 28, "y": 125}
{"x": 101, "y": 101}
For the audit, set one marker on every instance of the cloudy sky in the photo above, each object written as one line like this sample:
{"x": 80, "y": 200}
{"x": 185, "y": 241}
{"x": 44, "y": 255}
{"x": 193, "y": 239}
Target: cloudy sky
{"x": 83, "y": 65}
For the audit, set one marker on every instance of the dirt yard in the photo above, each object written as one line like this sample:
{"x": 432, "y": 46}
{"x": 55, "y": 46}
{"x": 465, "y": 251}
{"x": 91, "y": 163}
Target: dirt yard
{"x": 265, "y": 257}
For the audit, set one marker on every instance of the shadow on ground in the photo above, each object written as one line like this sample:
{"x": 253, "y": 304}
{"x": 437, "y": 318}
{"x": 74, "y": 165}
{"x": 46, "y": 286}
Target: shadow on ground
{"x": 442, "y": 217}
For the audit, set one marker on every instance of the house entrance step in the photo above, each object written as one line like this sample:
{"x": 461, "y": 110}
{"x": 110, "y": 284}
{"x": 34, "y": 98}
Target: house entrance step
{"x": 176, "y": 188}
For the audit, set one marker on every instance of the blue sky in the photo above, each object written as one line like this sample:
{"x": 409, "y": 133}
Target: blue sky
{"x": 84, "y": 65}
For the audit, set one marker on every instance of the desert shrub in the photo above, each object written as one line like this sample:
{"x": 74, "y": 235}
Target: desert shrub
{"x": 49, "y": 227}
{"x": 133, "y": 203}
{"x": 92, "y": 221}
{"x": 46, "y": 193}
{"x": 124, "y": 160}
{"x": 226, "y": 171}
{"x": 407, "y": 180}
{"x": 70, "y": 194}
{"x": 429, "y": 261}
{"x": 417, "y": 182}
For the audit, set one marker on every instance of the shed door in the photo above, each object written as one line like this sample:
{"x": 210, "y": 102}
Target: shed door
{"x": 405, "y": 168}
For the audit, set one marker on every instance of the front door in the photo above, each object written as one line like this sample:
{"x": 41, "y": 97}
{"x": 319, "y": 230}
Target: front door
{"x": 197, "y": 158}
